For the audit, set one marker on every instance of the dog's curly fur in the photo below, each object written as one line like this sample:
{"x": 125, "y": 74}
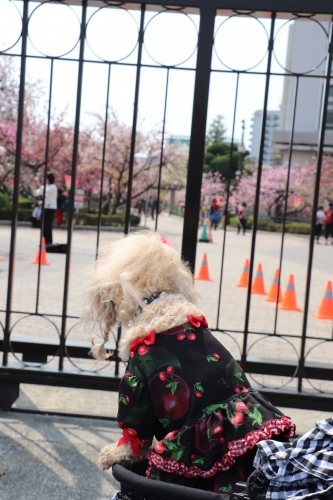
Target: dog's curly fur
{"x": 126, "y": 273}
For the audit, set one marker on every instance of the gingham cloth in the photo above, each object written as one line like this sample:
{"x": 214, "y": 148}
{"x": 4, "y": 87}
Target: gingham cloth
{"x": 302, "y": 469}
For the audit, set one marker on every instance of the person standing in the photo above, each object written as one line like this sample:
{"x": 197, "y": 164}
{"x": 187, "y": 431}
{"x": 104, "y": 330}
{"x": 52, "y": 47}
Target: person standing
{"x": 50, "y": 205}
{"x": 60, "y": 208}
{"x": 241, "y": 218}
{"x": 214, "y": 214}
{"x": 37, "y": 214}
{"x": 320, "y": 217}
{"x": 329, "y": 224}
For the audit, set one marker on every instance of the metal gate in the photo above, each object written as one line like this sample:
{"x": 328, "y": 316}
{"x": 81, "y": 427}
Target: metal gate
{"x": 290, "y": 366}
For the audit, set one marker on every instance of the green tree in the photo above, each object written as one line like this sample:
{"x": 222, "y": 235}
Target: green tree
{"x": 216, "y": 132}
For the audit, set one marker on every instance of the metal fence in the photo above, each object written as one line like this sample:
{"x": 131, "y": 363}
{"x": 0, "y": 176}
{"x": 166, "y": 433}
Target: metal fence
{"x": 295, "y": 380}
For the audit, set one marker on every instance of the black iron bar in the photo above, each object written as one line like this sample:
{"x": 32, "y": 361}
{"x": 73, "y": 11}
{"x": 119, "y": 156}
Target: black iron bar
{"x": 44, "y": 182}
{"x": 290, "y": 153}
{"x": 257, "y": 197}
{"x": 116, "y": 372}
{"x": 62, "y": 347}
{"x": 162, "y": 148}
{"x": 227, "y": 203}
{"x": 134, "y": 124}
{"x": 198, "y": 133}
{"x": 321, "y": 141}
{"x": 17, "y": 169}
{"x": 103, "y": 159}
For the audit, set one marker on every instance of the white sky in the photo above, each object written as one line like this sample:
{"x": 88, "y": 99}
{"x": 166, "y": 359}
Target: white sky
{"x": 169, "y": 39}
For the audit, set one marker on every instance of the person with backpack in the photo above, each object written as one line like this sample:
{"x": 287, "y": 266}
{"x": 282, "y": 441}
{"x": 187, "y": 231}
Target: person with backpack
{"x": 329, "y": 224}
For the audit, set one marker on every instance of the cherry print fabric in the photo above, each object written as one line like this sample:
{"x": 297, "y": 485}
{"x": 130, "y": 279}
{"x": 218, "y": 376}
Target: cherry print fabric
{"x": 186, "y": 389}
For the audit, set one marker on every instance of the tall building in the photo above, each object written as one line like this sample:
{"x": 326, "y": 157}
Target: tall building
{"x": 307, "y": 45}
{"x": 272, "y": 123}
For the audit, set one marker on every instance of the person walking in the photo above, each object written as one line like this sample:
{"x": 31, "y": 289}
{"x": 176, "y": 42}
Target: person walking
{"x": 50, "y": 205}
{"x": 61, "y": 199}
{"x": 320, "y": 217}
{"x": 329, "y": 224}
{"x": 241, "y": 218}
{"x": 214, "y": 214}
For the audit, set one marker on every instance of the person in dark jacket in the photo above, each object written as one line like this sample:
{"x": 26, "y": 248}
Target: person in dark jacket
{"x": 181, "y": 385}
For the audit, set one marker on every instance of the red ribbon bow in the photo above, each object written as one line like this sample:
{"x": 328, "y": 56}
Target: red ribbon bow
{"x": 148, "y": 339}
{"x": 130, "y": 436}
{"x": 196, "y": 322}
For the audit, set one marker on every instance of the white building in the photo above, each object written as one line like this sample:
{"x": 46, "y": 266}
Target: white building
{"x": 307, "y": 47}
{"x": 272, "y": 124}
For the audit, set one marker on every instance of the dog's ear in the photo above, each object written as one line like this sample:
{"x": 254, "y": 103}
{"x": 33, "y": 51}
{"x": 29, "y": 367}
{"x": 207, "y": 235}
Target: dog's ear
{"x": 103, "y": 313}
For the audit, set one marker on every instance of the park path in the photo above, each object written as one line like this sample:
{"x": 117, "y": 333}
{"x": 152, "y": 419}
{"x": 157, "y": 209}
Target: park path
{"x": 233, "y": 299}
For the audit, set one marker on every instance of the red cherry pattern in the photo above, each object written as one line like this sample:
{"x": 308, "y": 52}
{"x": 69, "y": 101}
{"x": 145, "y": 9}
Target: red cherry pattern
{"x": 143, "y": 349}
{"x": 181, "y": 336}
{"x": 159, "y": 447}
{"x": 192, "y": 336}
{"x": 121, "y": 425}
{"x": 242, "y": 406}
{"x": 237, "y": 388}
{"x": 218, "y": 430}
{"x": 171, "y": 434}
{"x": 198, "y": 394}
{"x": 132, "y": 432}
{"x": 127, "y": 399}
{"x": 170, "y": 369}
{"x": 132, "y": 354}
{"x": 162, "y": 376}
{"x": 221, "y": 439}
{"x": 193, "y": 457}
{"x": 238, "y": 419}
{"x": 216, "y": 356}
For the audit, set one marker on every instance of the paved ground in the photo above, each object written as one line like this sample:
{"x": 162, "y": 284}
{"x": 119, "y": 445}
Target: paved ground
{"x": 233, "y": 299}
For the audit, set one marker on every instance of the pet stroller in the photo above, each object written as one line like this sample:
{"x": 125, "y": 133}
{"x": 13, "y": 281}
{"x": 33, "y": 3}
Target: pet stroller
{"x": 134, "y": 486}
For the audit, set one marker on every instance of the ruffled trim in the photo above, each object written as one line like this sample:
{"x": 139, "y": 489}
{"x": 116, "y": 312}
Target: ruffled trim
{"x": 237, "y": 448}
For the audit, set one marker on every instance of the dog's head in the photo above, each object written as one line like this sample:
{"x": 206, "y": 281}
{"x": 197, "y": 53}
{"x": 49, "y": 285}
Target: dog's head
{"x": 127, "y": 272}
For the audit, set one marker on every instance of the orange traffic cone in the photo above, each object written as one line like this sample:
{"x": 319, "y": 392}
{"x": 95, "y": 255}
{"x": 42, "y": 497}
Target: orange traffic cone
{"x": 258, "y": 286}
{"x": 325, "y": 310}
{"x": 244, "y": 277}
{"x": 289, "y": 302}
{"x": 43, "y": 259}
{"x": 275, "y": 291}
{"x": 203, "y": 274}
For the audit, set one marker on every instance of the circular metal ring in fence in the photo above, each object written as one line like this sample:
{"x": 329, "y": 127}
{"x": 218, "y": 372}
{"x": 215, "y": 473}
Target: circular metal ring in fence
{"x": 74, "y": 339}
{"x": 320, "y": 354}
{"x": 41, "y": 339}
{"x": 54, "y": 29}
{"x": 10, "y": 25}
{"x": 274, "y": 349}
{"x": 112, "y": 34}
{"x": 249, "y": 41}
{"x": 170, "y": 38}
{"x": 229, "y": 342}
{"x": 301, "y": 57}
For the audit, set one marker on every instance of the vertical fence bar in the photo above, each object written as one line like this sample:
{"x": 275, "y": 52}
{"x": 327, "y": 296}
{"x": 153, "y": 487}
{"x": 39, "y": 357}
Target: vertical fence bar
{"x": 162, "y": 147}
{"x": 20, "y": 119}
{"x": 321, "y": 141}
{"x": 73, "y": 184}
{"x": 44, "y": 192}
{"x": 227, "y": 202}
{"x": 198, "y": 134}
{"x": 257, "y": 198}
{"x": 135, "y": 119}
{"x": 286, "y": 200}
{"x": 103, "y": 159}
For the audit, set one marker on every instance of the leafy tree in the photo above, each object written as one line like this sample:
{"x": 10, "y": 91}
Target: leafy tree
{"x": 216, "y": 132}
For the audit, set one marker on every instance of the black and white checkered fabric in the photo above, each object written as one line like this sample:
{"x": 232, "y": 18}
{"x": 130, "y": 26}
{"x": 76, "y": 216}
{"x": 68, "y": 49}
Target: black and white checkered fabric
{"x": 302, "y": 469}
